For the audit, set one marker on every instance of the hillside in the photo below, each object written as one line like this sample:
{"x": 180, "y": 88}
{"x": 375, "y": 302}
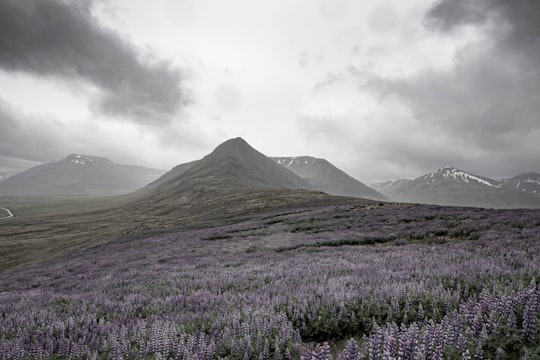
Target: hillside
{"x": 527, "y": 183}
{"x": 232, "y": 165}
{"x": 324, "y": 176}
{"x": 390, "y": 186}
{"x": 78, "y": 175}
{"x": 451, "y": 186}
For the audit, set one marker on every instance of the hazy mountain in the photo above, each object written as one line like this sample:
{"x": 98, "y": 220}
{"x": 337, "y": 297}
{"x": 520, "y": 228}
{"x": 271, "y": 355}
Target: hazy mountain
{"x": 79, "y": 175}
{"x": 390, "y": 186}
{"x": 174, "y": 173}
{"x": 528, "y": 183}
{"x": 4, "y": 175}
{"x": 450, "y": 186}
{"x": 324, "y": 176}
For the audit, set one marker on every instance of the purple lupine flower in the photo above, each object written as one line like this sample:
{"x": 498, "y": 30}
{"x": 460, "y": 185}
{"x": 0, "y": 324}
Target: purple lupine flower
{"x": 351, "y": 351}
{"x": 530, "y": 319}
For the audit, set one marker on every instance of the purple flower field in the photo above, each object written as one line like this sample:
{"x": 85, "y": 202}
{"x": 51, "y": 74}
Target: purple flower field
{"x": 341, "y": 282}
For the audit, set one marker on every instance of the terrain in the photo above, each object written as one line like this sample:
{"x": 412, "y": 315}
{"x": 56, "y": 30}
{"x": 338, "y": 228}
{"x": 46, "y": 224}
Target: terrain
{"x": 527, "y": 183}
{"x": 232, "y": 182}
{"x": 324, "y": 176}
{"x": 454, "y": 187}
{"x": 234, "y": 256}
{"x": 359, "y": 280}
{"x": 78, "y": 175}
{"x": 6, "y": 174}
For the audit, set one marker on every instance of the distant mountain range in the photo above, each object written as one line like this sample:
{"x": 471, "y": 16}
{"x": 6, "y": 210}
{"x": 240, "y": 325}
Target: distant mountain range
{"x": 79, "y": 175}
{"x": 324, "y": 176}
{"x": 235, "y": 164}
{"x": 451, "y": 186}
{"x": 235, "y": 169}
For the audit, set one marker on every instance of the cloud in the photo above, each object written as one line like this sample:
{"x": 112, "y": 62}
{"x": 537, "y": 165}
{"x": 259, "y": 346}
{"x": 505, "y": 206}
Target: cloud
{"x": 484, "y": 108}
{"x": 22, "y": 145}
{"x": 28, "y": 139}
{"x": 61, "y": 39}
{"x": 513, "y": 26}
{"x": 20, "y": 140}
{"x": 493, "y": 89}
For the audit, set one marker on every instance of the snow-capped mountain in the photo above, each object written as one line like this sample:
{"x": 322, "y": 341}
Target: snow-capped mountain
{"x": 451, "y": 186}
{"x": 79, "y": 174}
{"x": 324, "y": 176}
{"x": 451, "y": 175}
{"x": 529, "y": 183}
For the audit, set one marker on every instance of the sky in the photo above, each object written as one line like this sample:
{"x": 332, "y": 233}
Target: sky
{"x": 383, "y": 89}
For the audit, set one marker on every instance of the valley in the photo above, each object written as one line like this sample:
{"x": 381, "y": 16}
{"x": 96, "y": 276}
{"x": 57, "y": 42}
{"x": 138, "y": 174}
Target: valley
{"x": 386, "y": 206}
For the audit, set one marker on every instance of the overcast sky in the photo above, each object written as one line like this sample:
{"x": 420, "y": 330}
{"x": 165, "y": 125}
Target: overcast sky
{"x": 382, "y": 89}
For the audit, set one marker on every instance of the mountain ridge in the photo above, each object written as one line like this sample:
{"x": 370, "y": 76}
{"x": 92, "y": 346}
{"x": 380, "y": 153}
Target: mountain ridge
{"x": 326, "y": 177}
{"x": 455, "y": 187}
{"x": 526, "y": 182}
{"x": 233, "y": 164}
{"x": 78, "y": 174}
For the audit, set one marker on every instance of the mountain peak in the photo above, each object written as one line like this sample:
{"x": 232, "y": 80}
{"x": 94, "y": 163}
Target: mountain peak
{"x": 77, "y": 174}
{"x": 236, "y": 147}
{"x": 237, "y": 142}
{"x": 446, "y": 169}
{"x": 232, "y": 164}
{"x": 324, "y": 176}
{"x": 453, "y": 175}
{"x": 79, "y": 159}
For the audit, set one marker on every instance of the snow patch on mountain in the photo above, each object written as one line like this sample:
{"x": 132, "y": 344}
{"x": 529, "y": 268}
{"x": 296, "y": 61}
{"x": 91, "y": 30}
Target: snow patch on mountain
{"x": 297, "y": 160}
{"x": 459, "y": 175}
{"x": 79, "y": 159}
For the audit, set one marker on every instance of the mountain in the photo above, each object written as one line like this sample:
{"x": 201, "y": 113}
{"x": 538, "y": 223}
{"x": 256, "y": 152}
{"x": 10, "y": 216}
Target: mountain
{"x": 390, "y": 186}
{"x": 79, "y": 175}
{"x": 324, "y": 176}
{"x": 451, "y": 186}
{"x": 233, "y": 179}
{"x": 528, "y": 183}
{"x": 174, "y": 173}
{"x": 232, "y": 165}
{"x": 4, "y": 175}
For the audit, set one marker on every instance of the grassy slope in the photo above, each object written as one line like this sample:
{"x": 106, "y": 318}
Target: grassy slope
{"x": 46, "y": 228}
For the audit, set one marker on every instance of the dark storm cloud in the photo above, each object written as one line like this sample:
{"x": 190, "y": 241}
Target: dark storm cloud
{"x": 515, "y": 24}
{"x": 496, "y": 88}
{"x": 446, "y": 15}
{"x": 62, "y": 39}
{"x": 486, "y": 106}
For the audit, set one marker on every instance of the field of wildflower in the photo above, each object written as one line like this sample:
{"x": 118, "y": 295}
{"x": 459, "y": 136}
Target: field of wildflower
{"x": 342, "y": 282}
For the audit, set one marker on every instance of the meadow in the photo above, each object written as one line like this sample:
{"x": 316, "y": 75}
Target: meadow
{"x": 353, "y": 281}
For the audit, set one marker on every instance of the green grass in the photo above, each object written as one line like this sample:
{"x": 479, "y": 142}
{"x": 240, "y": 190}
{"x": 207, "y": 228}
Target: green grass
{"x": 46, "y": 228}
